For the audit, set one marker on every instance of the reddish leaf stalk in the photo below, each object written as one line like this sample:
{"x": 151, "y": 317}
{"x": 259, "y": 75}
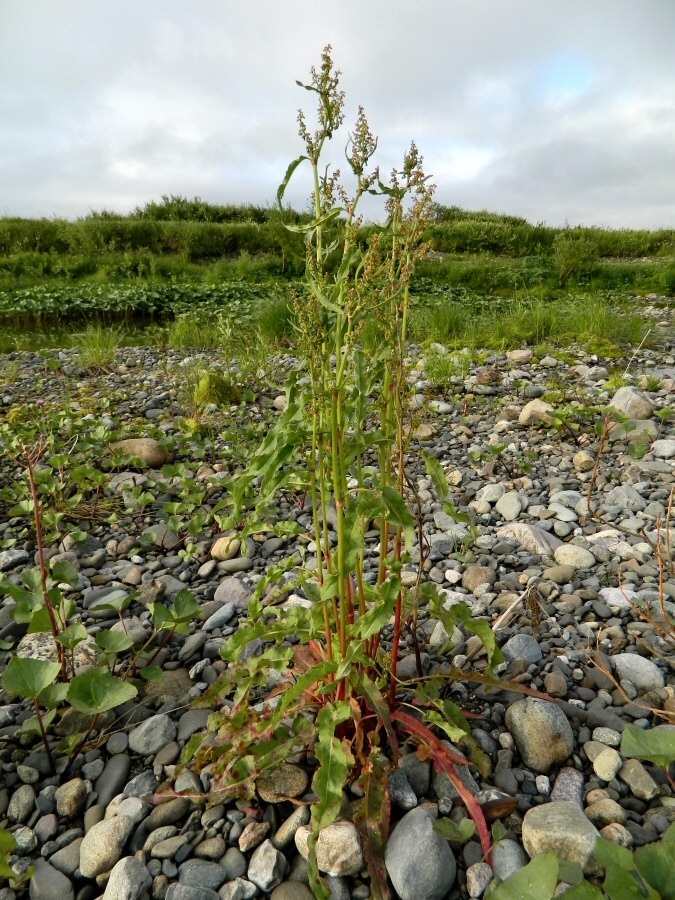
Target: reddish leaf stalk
{"x": 445, "y": 760}
{"x": 50, "y": 757}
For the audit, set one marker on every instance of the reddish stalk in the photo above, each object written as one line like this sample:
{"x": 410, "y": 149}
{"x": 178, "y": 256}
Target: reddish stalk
{"x": 41, "y": 557}
{"x": 445, "y": 761}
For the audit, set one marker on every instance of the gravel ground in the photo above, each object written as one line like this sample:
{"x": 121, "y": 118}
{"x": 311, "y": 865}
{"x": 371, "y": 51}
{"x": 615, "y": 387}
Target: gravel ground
{"x": 556, "y": 775}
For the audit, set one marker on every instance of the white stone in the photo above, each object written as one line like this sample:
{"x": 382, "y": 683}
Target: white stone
{"x": 572, "y": 555}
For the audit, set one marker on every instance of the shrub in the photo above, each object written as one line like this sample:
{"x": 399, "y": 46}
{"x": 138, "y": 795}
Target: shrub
{"x": 574, "y": 257}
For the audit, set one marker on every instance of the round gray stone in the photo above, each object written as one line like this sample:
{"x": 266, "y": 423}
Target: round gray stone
{"x": 543, "y": 735}
{"x": 420, "y": 862}
{"x": 103, "y": 844}
{"x": 151, "y": 735}
{"x": 129, "y": 880}
{"x": 562, "y": 827}
{"x": 642, "y": 672}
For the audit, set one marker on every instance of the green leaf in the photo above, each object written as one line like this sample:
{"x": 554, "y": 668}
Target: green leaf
{"x": 656, "y": 864}
{"x": 499, "y": 831}
{"x": 40, "y": 621}
{"x": 287, "y": 177}
{"x": 372, "y": 820}
{"x": 73, "y": 635}
{"x": 399, "y": 514}
{"x": 32, "y": 578}
{"x": 330, "y": 777}
{"x": 65, "y": 572}
{"x": 437, "y": 475}
{"x": 7, "y": 841}
{"x": 570, "y": 872}
{"x": 117, "y": 604}
{"x": 482, "y": 628}
{"x": 535, "y": 881}
{"x": 161, "y": 616}
{"x": 454, "y": 732}
{"x": 97, "y": 691}
{"x": 151, "y": 673}
{"x": 613, "y": 856}
{"x": 458, "y": 833}
{"x": 185, "y": 606}
{"x": 28, "y": 677}
{"x": 53, "y": 695}
{"x": 655, "y": 744}
{"x": 113, "y": 641}
{"x": 584, "y": 891}
{"x": 32, "y": 725}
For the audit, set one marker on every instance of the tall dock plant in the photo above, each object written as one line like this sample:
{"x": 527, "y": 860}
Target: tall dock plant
{"x": 343, "y": 438}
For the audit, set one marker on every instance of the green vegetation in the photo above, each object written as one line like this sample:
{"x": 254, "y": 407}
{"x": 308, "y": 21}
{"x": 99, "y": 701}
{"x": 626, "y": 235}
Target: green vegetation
{"x": 488, "y": 280}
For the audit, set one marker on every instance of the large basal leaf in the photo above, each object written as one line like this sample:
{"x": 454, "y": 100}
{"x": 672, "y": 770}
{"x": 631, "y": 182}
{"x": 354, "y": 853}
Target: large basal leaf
{"x": 329, "y": 779}
{"x": 97, "y": 691}
{"x": 372, "y": 820}
{"x": 613, "y": 856}
{"x": 584, "y": 891}
{"x": 655, "y": 744}
{"x": 28, "y": 677}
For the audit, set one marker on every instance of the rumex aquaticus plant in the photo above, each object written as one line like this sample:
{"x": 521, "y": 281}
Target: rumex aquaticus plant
{"x": 327, "y": 683}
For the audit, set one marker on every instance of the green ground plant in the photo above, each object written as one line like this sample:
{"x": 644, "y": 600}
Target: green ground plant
{"x": 341, "y": 696}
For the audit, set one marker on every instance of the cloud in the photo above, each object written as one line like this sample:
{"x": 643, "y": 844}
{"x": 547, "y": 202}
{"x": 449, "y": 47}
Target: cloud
{"x": 553, "y": 111}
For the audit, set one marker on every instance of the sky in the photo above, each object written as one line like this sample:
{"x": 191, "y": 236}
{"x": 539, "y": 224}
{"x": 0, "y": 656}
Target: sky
{"x": 561, "y": 111}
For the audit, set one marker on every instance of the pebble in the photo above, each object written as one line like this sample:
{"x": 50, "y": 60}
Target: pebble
{"x": 419, "y": 862}
{"x": 563, "y": 827}
{"x": 129, "y": 880}
{"x": 103, "y": 844}
{"x": 338, "y": 848}
{"x": 542, "y": 733}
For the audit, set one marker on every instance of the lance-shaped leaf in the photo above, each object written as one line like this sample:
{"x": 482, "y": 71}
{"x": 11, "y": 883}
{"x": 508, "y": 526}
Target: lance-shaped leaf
{"x": 399, "y": 514}
{"x": 482, "y": 628}
{"x": 97, "y": 691}
{"x": 372, "y": 820}
{"x": 281, "y": 190}
{"x": 329, "y": 779}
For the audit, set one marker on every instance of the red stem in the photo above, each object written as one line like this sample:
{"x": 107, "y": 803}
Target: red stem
{"x": 38, "y": 715}
{"x": 445, "y": 760}
{"x": 43, "y": 565}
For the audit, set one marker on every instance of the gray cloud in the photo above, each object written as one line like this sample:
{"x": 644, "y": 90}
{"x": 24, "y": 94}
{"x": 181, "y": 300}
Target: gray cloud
{"x": 556, "y": 111}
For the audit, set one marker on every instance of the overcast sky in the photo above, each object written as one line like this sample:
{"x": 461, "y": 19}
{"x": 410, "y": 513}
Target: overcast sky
{"x": 556, "y": 110}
